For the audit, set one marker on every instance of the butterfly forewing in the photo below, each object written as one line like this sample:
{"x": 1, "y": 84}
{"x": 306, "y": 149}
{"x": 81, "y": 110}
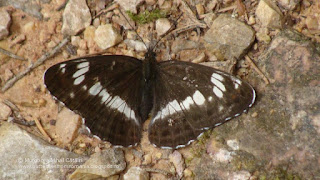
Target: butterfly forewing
{"x": 191, "y": 98}
{"x": 105, "y": 91}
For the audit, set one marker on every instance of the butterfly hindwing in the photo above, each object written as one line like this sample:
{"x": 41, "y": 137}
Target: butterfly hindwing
{"x": 105, "y": 91}
{"x": 191, "y": 98}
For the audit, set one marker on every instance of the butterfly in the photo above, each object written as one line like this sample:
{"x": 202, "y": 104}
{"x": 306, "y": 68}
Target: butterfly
{"x": 116, "y": 94}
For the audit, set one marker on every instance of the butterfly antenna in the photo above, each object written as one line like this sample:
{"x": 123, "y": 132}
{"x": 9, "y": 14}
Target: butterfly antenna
{"x": 168, "y": 32}
{"x": 132, "y": 27}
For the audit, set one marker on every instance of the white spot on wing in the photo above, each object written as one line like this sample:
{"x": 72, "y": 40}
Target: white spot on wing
{"x": 210, "y": 98}
{"x": 217, "y": 92}
{"x": 105, "y": 95}
{"x": 63, "y": 70}
{"x": 82, "y": 65}
{"x": 84, "y": 87}
{"x": 217, "y": 76}
{"x": 215, "y": 79}
{"x": 95, "y": 89}
{"x": 187, "y": 102}
{"x": 80, "y": 72}
{"x": 62, "y": 66}
{"x": 78, "y": 80}
{"x": 198, "y": 98}
{"x": 221, "y": 108}
{"x": 72, "y": 95}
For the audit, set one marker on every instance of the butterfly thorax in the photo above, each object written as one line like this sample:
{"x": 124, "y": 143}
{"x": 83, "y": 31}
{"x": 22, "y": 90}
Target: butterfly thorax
{"x": 148, "y": 80}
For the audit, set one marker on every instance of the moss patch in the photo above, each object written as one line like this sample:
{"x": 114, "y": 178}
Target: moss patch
{"x": 147, "y": 16}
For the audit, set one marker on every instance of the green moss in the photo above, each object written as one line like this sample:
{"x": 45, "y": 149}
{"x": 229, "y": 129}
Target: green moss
{"x": 147, "y": 16}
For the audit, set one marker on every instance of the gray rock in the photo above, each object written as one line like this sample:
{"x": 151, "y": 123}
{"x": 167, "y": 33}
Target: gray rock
{"x": 136, "y": 173}
{"x": 5, "y": 21}
{"x": 269, "y": 14}
{"x": 29, "y": 6}
{"x": 228, "y": 38}
{"x": 25, "y": 156}
{"x": 76, "y": 17}
{"x": 106, "y": 36}
{"x": 103, "y": 164}
{"x": 130, "y": 5}
{"x": 280, "y": 136}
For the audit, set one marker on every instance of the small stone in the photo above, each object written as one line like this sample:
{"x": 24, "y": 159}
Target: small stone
{"x": 200, "y": 9}
{"x": 178, "y": 162}
{"x": 233, "y": 144}
{"x": 29, "y": 27}
{"x": 263, "y": 37}
{"x": 76, "y": 17}
{"x": 75, "y": 40}
{"x": 108, "y": 162}
{"x": 269, "y": 14}
{"x": 136, "y": 45}
{"x": 200, "y": 58}
{"x": 255, "y": 114}
{"x": 187, "y": 173}
{"x": 5, "y": 111}
{"x": 67, "y": 125}
{"x": 5, "y": 21}
{"x": 106, "y": 36}
{"x": 163, "y": 25}
{"x": 147, "y": 159}
{"x": 252, "y": 20}
{"x": 136, "y": 173}
{"x": 313, "y": 23}
{"x": 130, "y": 5}
{"x": 289, "y": 4}
{"x": 158, "y": 155}
{"x": 96, "y": 22}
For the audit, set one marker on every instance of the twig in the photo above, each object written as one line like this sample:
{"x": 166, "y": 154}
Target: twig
{"x": 110, "y": 8}
{"x": 195, "y": 22}
{"x": 227, "y": 8}
{"x": 8, "y": 53}
{"x": 43, "y": 132}
{"x": 166, "y": 173}
{"x": 255, "y": 67}
{"x": 11, "y": 105}
{"x": 32, "y": 66}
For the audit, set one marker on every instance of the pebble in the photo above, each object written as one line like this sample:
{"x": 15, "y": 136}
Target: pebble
{"x": 76, "y": 17}
{"x": 67, "y": 125}
{"x": 147, "y": 159}
{"x": 269, "y": 14}
{"x": 178, "y": 162}
{"x": 5, "y": 21}
{"x": 163, "y": 25}
{"x": 5, "y": 111}
{"x": 130, "y": 5}
{"x": 200, "y": 9}
{"x": 106, "y": 36}
{"x": 136, "y": 173}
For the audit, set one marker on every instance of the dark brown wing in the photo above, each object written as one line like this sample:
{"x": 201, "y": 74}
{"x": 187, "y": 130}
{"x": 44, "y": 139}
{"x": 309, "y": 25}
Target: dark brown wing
{"x": 191, "y": 98}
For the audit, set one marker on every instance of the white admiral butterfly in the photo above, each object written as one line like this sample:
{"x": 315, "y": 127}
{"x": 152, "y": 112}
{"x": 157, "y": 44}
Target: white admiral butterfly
{"x": 115, "y": 95}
